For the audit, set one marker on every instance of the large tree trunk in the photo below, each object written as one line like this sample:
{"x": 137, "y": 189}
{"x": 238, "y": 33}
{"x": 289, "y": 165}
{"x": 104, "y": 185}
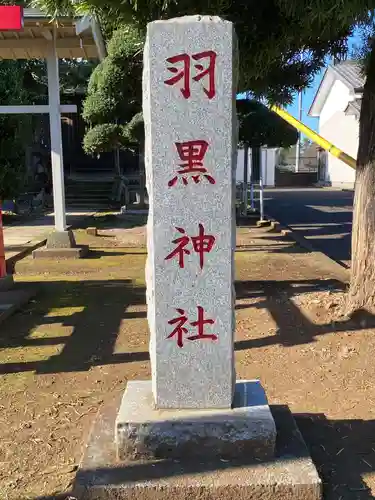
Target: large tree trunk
{"x": 362, "y": 285}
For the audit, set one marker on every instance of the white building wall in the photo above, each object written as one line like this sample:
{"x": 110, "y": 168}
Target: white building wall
{"x": 343, "y": 131}
{"x": 268, "y": 165}
{"x": 337, "y": 100}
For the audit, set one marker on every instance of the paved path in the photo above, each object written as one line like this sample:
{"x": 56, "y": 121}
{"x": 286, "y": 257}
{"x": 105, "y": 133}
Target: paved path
{"x": 323, "y": 216}
{"x": 20, "y": 237}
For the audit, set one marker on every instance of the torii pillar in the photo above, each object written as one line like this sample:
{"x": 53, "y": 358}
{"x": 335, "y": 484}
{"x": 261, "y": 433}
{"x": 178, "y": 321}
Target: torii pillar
{"x": 60, "y": 243}
{"x": 56, "y": 138}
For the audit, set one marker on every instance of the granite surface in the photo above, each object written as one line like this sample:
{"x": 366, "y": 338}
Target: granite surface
{"x": 190, "y": 156}
{"x": 245, "y": 430}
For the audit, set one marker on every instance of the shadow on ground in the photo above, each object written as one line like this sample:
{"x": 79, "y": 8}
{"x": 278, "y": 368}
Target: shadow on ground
{"x": 100, "y": 254}
{"x": 294, "y": 328}
{"x": 124, "y": 222}
{"x": 342, "y": 450}
{"x": 102, "y": 305}
{"x": 324, "y": 217}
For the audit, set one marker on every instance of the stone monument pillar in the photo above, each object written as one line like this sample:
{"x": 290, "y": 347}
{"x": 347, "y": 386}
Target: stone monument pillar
{"x": 193, "y": 431}
{"x": 189, "y": 90}
{"x": 189, "y": 93}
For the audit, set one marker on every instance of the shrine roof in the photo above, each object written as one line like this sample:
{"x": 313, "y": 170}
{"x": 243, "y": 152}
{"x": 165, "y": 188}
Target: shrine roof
{"x": 75, "y": 38}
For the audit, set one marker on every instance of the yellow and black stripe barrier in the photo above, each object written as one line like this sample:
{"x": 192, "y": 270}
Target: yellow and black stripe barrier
{"x": 318, "y": 139}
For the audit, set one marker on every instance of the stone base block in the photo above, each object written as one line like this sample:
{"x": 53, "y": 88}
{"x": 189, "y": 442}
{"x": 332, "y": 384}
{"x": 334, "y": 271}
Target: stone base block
{"x": 6, "y": 283}
{"x": 61, "y": 239}
{"x": 291, "y": 475}
{"x": 61, "y": 253}
{"x": 263, "y": 223}
{"x": 92, "y": 231}
{"x": 143, "y": 432}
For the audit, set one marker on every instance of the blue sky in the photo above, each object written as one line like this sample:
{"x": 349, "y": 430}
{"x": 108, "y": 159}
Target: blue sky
{"x": 307, "y": 98}
{"x": 309, "y": 93}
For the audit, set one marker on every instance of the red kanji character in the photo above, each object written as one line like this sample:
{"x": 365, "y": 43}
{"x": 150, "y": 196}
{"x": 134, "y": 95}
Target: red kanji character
{"x": 202, "y": 244}
{"x": 210, "y": 71}
{"x": 200, "y": 327}
{"x": 192, "y": 154}
{"x": 184, "y": 73}
{"x": 180, "y": 330}
{"x": 180, "y": 250}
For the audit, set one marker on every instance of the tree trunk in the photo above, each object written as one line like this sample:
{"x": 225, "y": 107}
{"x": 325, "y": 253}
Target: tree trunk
{"x": 255, "y": 164}
{"x": 362, "y": 284}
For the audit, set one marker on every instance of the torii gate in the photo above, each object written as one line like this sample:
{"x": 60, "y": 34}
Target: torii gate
{"x": 29, "y": 34}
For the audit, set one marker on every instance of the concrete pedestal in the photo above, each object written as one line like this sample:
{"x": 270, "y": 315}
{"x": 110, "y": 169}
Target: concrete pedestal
{"x": 290, "y": 475}
{"x": 143, "y": 432}
{"x": 61, "y": 245}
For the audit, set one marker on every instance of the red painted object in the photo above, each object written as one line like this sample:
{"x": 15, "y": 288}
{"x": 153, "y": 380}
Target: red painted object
{"x": 180, "y": 330}
{"x": 11, "y": 18}
{"x": 184, "y": 72}
{"x": 192, "y": 154}
{"x": 203, "y": 243}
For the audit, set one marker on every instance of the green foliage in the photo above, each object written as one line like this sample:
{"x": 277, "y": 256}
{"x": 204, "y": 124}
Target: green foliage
{"x": 74, "y": 75}
{"x": 125, "y": 45}
{"x": 114, "y": 92}
{"x": 56, "y": 8}
{"x": 99, "y": 107}
{"x": 258, "y": 126}
{"x": 15, "y": 130}
{"x": 104, "y": 138}
{"x": 135, "y": 130}
{"x": 283, "y": 43}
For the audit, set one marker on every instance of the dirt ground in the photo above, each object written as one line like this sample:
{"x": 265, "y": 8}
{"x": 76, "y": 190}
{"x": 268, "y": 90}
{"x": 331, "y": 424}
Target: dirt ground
{"x": 85, "y": 335}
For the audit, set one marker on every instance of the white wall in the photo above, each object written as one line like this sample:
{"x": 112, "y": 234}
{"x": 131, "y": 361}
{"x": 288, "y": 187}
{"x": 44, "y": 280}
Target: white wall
{"x": 268, "y": 164}
{"x": 343, "y": 131}
{"x": 337, "y": 100}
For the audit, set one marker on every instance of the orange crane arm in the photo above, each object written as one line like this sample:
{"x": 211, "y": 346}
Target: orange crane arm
{"x": 318, "y": 139}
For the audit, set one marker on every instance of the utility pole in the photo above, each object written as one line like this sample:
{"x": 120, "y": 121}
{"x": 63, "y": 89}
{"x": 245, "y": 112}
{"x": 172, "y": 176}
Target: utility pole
{"x": 298, "y": 148}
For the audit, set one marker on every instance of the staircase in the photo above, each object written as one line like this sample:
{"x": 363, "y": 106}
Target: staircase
{"x": 89, "y": 183}
{"x": 89, "y": 194}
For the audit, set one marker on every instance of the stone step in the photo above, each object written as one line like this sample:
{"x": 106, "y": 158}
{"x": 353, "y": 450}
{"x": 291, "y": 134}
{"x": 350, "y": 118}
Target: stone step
{"x": 89, "y": 202}
{"x": 90, "y": 185}
{"x": 98, "y": 171}
{"x": 83, "y": 195}
{"x": 76, "y": 190}
{"x": 93, "y": 207}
